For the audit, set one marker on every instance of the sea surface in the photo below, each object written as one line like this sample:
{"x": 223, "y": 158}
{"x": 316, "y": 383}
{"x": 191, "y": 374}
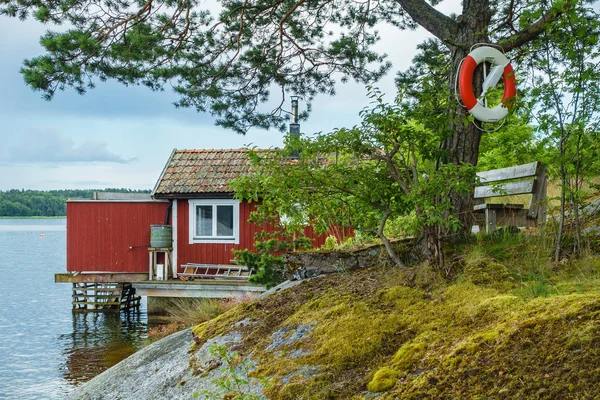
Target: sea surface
{"x": 46, "y": 350}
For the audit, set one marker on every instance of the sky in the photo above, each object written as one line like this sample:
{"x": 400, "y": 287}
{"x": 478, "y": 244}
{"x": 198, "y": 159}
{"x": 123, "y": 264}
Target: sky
{"x": 121, "y": 137}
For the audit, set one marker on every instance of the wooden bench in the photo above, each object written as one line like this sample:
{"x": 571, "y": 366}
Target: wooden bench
{"x": 213, "y": 271}
{"x": 521, "y": 179}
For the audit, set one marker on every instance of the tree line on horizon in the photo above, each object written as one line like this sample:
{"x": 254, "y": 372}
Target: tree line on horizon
{"x": 46, "y": 203}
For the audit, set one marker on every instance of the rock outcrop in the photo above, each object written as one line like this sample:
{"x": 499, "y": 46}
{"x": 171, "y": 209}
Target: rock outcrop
{"x": 162, "y": 371}
{"x": 370, "y": 333}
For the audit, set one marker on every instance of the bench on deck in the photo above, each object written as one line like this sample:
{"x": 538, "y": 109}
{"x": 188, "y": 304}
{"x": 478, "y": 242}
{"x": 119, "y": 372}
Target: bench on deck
{"x": 518, "y": 180}
{"x": 213, "y": 271}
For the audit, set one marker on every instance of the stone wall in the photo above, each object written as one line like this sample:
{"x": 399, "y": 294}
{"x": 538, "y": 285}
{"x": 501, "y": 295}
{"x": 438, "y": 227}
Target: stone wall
{"x": 301, "y": 265}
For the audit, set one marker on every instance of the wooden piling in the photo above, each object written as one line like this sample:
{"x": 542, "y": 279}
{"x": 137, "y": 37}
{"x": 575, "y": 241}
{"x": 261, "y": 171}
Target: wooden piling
{"x": 104, "y": 296}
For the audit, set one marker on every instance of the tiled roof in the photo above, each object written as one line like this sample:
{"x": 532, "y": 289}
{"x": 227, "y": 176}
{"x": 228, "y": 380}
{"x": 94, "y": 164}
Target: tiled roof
{"x": 202, "y": 171}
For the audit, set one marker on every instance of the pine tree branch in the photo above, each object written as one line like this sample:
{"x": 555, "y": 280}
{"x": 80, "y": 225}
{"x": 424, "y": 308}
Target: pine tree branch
{"x": 440, "y": 25}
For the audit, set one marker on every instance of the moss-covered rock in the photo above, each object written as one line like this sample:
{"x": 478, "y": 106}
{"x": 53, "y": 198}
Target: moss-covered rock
{"x": 385, "y": 379}
{"x": 370, "y": 333}
{"x": 482, "y": 270}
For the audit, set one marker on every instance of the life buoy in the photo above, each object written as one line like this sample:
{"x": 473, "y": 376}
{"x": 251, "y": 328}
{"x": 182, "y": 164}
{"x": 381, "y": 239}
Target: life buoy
{"x": 500, "y": 68}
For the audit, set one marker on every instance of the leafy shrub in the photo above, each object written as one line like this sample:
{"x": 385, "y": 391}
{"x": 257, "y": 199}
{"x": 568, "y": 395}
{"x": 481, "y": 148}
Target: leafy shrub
{"x": 267, "y": 263}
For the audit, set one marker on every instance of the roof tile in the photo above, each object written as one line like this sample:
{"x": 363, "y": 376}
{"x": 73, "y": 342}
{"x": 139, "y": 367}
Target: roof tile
{"x": 203, "y": 171}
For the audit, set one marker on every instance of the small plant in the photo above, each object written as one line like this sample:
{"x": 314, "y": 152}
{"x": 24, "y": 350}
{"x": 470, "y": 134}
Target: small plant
{"x": 234, "y": 379}
{"x": 164, "y": 330}
{"x": 349, "y": 242}
{"x": 184, "y": 313}
{"x": 194, "y": 311}
{"x": 537, "y": 284}
{"x": 331, "y": 243}
{"x": 267, "y": 262}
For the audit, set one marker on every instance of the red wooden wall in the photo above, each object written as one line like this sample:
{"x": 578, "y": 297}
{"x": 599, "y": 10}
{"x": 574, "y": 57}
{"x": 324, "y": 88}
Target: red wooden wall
{"x": 100, "y": 234}
{"x": 220, "y": 253}
{"x": 113, "y": 236}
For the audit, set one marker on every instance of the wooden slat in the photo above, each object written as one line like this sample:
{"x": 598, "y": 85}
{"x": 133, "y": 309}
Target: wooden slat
{"x": 97, "y": 296}
{"x": 506, "y": 189}
{"x": 523, "y": 179}
{"x": 537, "y": 206}
{"x": 214, "y": 265}
{"x": 504, "y": 174}
{"x": 480, "y": 207}
{"x": 217, "y": 267}
{"x": 99, "y": 292}
{"x": 226, "y": 271}
{"x": 123, "y": 196}
{"x": 106, "y": 277}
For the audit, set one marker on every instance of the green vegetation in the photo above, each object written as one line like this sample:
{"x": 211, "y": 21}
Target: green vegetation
{"x": 510, "y": 316}
{"x": 234, "y": 380}
{"x": 389, "y": 177}
{"x": 360, "y": 178}
{"x": 267, "y": 262}
{"x": 509, "y": 324}
{"x": 569, "y": 128}
{"x": 183, "y": 313}
{"x": 45, "y": 203}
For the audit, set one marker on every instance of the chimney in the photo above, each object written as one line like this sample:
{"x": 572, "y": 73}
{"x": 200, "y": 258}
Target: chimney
{"x": 295, "y": 125}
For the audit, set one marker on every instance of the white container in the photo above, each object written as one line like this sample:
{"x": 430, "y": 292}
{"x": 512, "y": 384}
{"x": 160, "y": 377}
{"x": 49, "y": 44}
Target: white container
{"x": 160, "y": 272}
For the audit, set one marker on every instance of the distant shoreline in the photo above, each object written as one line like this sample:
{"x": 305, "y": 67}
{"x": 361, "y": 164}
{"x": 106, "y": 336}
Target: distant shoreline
{"x": 35, "y": 217}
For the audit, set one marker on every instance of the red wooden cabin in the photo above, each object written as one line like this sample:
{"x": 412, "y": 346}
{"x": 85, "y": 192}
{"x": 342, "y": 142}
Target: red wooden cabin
{"x": 207, "y": 221}
{"x": 192, "y": 194}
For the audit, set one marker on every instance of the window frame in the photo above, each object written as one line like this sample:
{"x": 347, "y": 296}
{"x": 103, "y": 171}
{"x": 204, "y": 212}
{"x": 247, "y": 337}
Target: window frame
{"x": 193, "y": 204}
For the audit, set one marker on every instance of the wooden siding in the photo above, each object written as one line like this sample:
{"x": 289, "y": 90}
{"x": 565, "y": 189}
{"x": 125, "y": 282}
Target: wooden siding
{"x": 100, "y": 234}
{"x": 211, "y": 253}
{"x": 220, "y": 253}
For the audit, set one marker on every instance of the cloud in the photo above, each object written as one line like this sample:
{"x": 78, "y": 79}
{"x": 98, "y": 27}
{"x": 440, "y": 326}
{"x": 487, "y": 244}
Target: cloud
{"x": 37, "y": 147}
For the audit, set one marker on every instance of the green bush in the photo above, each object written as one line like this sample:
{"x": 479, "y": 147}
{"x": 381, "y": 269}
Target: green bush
{"x": 267, "y": 263}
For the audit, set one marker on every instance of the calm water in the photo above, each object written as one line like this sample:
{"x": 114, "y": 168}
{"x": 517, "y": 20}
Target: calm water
{"x": 45, "y": 349}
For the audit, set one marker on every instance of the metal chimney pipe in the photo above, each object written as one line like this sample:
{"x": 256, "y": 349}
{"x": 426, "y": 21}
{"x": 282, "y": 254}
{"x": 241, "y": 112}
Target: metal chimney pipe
{"x": 295, "y": 125}
{"x": 294, "y": 109}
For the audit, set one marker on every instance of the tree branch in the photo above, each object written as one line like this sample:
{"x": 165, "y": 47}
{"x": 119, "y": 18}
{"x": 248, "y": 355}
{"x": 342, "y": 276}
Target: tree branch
{"x": 386, "y": 241}
{"x": 440, "y": 25}
{"x": 534, "y": 30}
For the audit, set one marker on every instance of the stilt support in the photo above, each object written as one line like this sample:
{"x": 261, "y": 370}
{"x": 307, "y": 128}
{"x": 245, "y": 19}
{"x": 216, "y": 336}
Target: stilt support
{"x": 104, "y": 296}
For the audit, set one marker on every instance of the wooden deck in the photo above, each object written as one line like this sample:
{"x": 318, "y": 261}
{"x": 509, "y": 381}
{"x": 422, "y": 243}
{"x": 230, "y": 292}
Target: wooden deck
{"x": 100, "y": 277}
{"x": 204, "y": 288}
{"x": 217, "y": 287}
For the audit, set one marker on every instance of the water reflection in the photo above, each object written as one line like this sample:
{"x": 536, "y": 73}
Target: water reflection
{"x": 98, "y": 341}
{"x": 45, "y": 349}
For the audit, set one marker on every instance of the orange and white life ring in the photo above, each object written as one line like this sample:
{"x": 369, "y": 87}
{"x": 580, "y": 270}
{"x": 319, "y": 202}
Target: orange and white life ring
{"x": 500, "y": 68}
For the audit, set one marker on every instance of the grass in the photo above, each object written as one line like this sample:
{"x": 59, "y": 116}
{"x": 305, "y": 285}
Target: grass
{"x": 510, "y": 324}
{"x": 183, "y": 313}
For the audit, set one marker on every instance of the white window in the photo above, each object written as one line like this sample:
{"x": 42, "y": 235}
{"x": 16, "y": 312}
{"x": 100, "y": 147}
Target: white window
{"x": 214, "y": 221}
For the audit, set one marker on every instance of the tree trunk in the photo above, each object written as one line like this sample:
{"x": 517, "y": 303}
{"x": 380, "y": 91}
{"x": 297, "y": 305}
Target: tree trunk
{"x": 461, "y": 145}
{"x": 386, "y": 242}
{"x": 561, "y": 217}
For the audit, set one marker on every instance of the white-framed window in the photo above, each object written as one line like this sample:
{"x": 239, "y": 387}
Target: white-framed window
{"x": 214, "y": 221}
